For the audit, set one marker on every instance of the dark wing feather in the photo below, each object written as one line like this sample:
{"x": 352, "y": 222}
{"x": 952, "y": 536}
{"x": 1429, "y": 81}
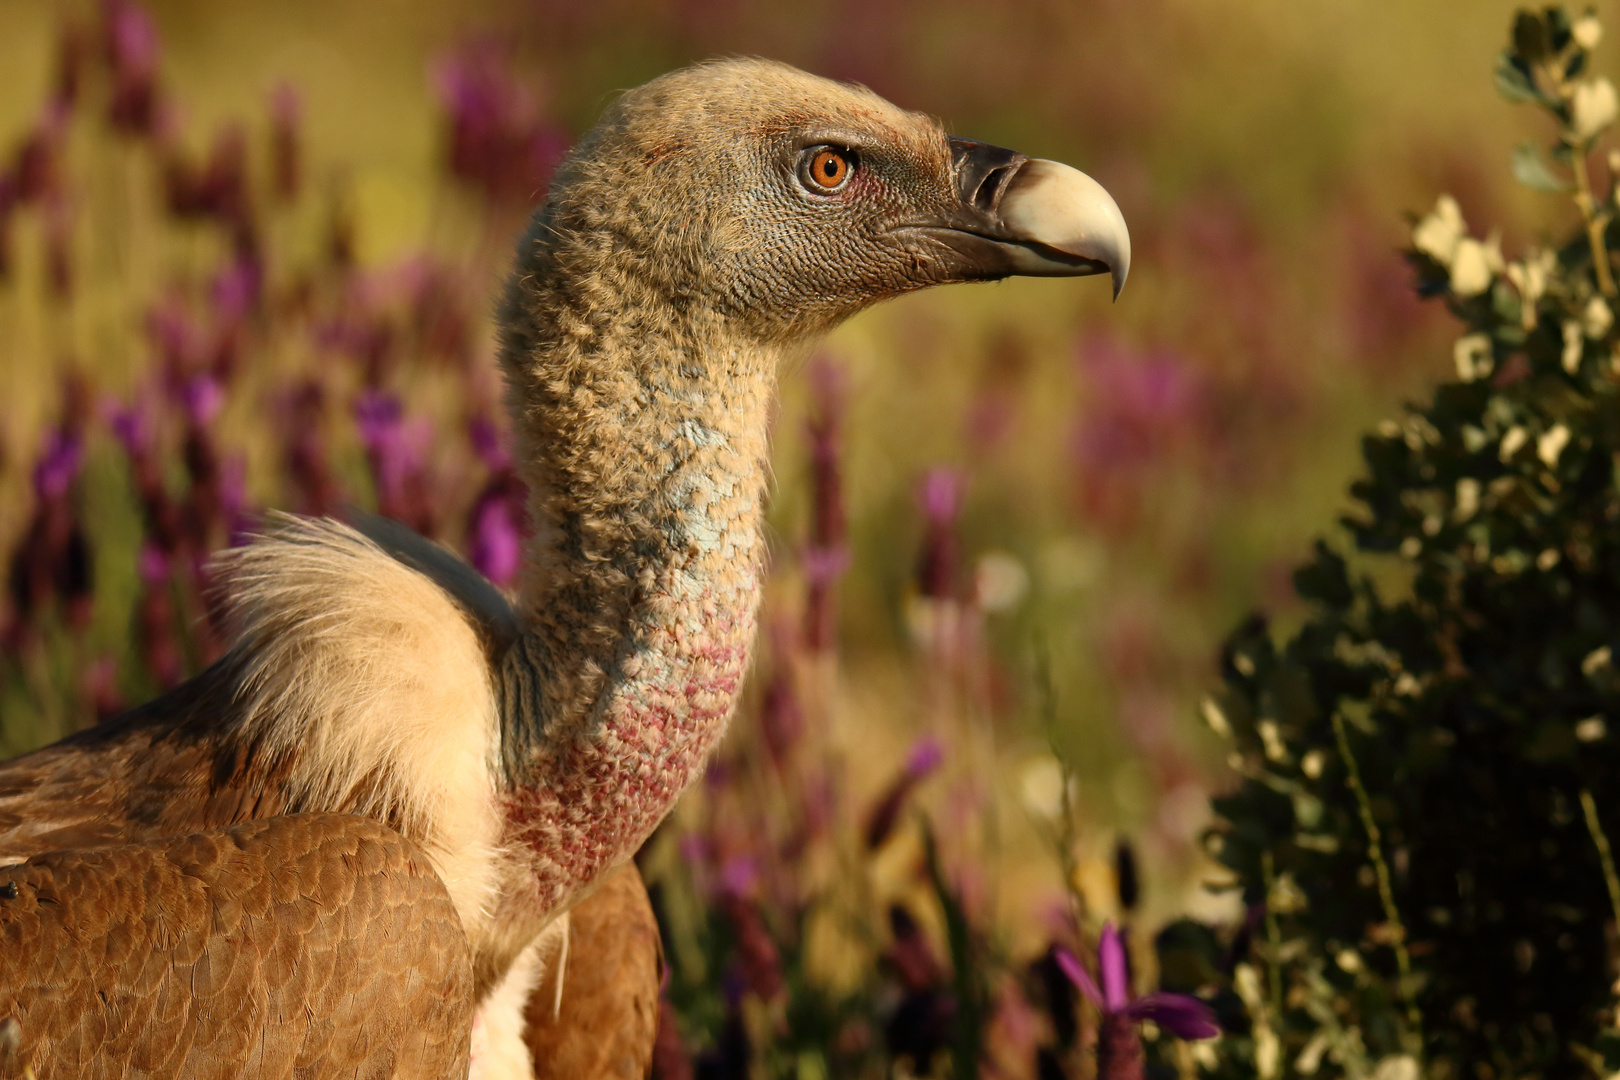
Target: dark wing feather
{"x": 162, "y": 769}
{"x": 315, "y": 945}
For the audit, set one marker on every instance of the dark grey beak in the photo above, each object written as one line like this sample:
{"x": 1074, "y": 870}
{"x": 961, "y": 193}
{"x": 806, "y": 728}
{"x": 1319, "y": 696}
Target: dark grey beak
{"x": 1021, "y": 215}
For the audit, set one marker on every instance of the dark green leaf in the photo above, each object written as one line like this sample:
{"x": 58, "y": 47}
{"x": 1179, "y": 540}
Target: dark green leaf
{"x": 1513, "y": 82}
{"x": 1558, "y": 29}
{"x": 1530, "y": 37}
{"x": 1530, "y": 170}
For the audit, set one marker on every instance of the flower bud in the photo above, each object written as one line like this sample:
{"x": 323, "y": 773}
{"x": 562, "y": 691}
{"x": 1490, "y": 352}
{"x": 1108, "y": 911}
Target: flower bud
{"x": 1470, "y": 268}
{"x": 1573, "y": 347}
{"x": 1593, "y": 108}
{"x": 1530, "y": 277}
{"x": 1438, "y": 233}
{"x": 1596, "y": 318}
{"x": 1550, "y": 445}
{"x": 1587, "y": 31}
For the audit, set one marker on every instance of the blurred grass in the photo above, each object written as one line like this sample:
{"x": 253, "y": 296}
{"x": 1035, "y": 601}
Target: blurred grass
{"x": 1263, "y": 152}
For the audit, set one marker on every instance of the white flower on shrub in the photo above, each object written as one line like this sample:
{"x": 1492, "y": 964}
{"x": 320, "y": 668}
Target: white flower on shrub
{"x": 1398, "y": 1067}
{"x": 1513, "y": 442}
{"x": 1597, "y": 318}
{"x": 1551, "y": 444}
{"x": 1440, "y": 230}
{"x": 1593, "y": 108}
{"x": 1474, "y": 266}
{"x": 1530, "y": 277}
{"x": 1572, "y": 346}
{"x": 1587, "y": 31}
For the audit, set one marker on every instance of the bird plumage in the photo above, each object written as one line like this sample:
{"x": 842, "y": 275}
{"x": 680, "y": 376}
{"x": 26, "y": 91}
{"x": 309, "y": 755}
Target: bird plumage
{"x": 687, "y": 249}
{"x": 598, "y": 1017}
{"x": 311, "y": 945}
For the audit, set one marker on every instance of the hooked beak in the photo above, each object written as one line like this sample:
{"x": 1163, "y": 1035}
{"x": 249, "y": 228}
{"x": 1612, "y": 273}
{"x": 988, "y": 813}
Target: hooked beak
{"x": 1029, "y": 216}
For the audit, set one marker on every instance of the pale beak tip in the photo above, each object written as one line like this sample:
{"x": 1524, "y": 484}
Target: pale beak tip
{"x": 1062, "y": 208}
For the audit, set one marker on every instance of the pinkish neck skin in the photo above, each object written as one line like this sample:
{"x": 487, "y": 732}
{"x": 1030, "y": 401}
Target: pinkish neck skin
{"x": 639, "y": 620}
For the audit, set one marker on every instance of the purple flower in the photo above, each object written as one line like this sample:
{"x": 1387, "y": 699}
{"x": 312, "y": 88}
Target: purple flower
{"x": 152, "y": 565}
{"x": 940, "y": 496}
{"x": 132, "y": 425}
{"x": 397, "y": 450}
{"x": 494, "y": 541}
{"x": 1143, "y": 403}
{"x": 180, "y": 341}
{"x": 739, "y": 876}
{"x": 233, "y": 499}
{"x": 236, "y": 288}
{"x": 58, "y": 465}
{"x": 202, "y": 398}
{"x": 132, "y": 53}
{"x": 926, "y": 755}
{"x": 781, "y": 715}
{"x": 37, "y": 169}
{"x": 822, "y": 566}
{"x": 378, "y": 414}
{"x": 1180, "y": 1014}
{"x": 486, "y": 443}
{"x": 826, "y": 556}
{"x": 132, "y": 41}
{"x": 499, "y": 142}
{"x": 694, "y": 848}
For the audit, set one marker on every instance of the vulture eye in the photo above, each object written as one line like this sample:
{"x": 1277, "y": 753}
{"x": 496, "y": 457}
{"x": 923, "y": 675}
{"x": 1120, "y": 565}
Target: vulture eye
{"x": 825, "y": 170}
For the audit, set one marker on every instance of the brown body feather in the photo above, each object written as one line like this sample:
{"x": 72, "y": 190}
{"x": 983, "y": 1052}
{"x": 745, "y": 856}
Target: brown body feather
{"x": 306, "y": 946}
{"x": 158, "y": 770}
{"x": 596, "y": 1015}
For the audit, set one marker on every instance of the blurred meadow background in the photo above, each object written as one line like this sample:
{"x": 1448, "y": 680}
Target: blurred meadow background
{"x": 247, "y": 256}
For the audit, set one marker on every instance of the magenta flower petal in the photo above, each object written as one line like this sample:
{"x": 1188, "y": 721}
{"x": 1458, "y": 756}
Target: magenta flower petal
{"x": 739, "y": 876}
{"x": 1111, "y": 967}
{"x": 1078, "y": 975}
{"x": 486, "y": 443}
{"x": 1182, "y": 1015}
{"x": 202, "y": 398}
{"x": 494, "y": 543}
{"x": 926, "y": 755}
{"x": 58, "y": 465}
{"x": 940, "y": 495}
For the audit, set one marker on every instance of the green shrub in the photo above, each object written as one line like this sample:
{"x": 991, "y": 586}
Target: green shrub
{"x": 1429, "y": 762}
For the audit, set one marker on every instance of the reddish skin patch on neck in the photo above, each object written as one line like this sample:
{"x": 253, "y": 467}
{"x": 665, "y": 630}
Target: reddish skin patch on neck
{"x": 594, "y": 804}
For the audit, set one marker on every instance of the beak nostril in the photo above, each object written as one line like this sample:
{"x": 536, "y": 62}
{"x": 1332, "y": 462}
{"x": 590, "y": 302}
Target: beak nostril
{"x": 982, "y": 174}
{"x": 988, "y": 194}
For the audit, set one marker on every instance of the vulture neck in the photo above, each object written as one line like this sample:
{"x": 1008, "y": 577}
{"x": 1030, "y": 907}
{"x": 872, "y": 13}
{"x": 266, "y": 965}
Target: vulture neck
{"x": 642, "y": 428}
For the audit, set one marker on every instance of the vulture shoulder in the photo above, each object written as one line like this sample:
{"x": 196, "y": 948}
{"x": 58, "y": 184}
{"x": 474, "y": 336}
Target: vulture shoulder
{"x": 360, "y": 680}
{"x": 312, "y": 945}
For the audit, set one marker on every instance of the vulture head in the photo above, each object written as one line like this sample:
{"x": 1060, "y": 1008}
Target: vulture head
{"x": 750, "y": 193}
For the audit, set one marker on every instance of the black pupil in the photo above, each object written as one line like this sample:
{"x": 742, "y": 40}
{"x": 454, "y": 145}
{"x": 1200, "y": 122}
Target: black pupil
{"x": 829, "y": 166}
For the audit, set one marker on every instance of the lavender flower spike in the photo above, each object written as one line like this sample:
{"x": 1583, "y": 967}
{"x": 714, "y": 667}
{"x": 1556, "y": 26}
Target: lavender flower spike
{"x": 1180, "y": 1014}
{"x": 58, "y": 465}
